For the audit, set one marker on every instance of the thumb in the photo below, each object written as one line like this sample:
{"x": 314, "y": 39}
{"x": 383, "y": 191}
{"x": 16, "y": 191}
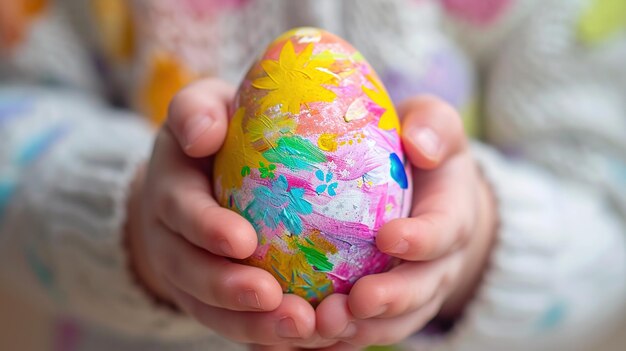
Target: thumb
{"x": 432, "y": 131}
{"x": 198, "y": 116}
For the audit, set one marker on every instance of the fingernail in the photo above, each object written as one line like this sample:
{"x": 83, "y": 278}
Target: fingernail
{"x": 286, "y": 328}
{"x": 194, "y": 128}
{"x": 348, "y": 332}
{"x": 249, "y": 298}
{"x": 401, "y": 247}
{"x": 428, "y": 142}
{"x": 225, "y": 248}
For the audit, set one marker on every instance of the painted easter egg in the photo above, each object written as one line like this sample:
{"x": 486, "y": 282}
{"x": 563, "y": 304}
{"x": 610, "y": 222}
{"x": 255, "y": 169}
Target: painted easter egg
{"x": 313, "y": 160}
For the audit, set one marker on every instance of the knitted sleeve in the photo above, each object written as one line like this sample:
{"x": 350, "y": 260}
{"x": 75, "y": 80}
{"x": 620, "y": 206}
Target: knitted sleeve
{"x": 555, "y": 113}
{"x": 66, "y": 162}
{"x": 555, "y": 278}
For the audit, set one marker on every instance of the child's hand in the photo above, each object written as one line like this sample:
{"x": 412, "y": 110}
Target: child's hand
{"x": 444, "y": 243}
{"x": 180, "y": 239}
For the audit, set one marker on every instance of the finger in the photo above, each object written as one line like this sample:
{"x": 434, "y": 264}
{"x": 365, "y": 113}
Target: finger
{"x": 198, "y": 116}
{"x": 441, "y": 218}
{"x": 184, "y": 203}
{"x": 393, "y": 330}
{"x": 404, "y": 289}
{"x": 334, "y": 314}
{"x": 334, "y": 317}
{"x": 432, "y": 131}
{"x": 292, "y": 320}
{"x": 215, "y": 280}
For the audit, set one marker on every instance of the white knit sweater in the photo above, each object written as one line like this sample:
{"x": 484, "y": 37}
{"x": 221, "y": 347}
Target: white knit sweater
{"x": 554, "y": 108}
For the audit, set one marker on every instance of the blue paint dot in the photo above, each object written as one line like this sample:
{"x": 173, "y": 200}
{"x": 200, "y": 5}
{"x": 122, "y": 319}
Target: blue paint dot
{"x": 332, "y": 189}
{"x": 319, "y": 174}
{"x": 320, "y": 189}
{"x": 397, "y": 171}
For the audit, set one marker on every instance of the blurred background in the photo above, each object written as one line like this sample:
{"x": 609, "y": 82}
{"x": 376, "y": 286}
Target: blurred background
{"x": 145, "y": 81}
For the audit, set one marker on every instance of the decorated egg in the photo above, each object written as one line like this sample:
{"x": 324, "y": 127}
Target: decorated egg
{"x": 313, "y": 160}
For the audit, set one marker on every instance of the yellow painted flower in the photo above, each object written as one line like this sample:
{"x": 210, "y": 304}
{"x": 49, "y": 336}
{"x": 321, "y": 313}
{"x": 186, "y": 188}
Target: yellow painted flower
{"x": 236, "y": 153}
{"x": 295, "y": 79}
{"x": 389, "y": 118}
{"x": 300, "y": 270}
{"x": 265, "y": 131}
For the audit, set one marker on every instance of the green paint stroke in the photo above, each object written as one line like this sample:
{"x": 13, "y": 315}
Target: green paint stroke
{"x": 316, "y": 259}
{"x": 295, "y": 152}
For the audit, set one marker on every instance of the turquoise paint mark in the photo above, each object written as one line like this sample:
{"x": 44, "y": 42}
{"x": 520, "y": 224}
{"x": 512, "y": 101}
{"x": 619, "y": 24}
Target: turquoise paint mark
{"x": 332, "y": 187}
{"x": 40, "y": 144}
{"x": 279, "y": 274}
{"x": 278, "y": 204}
{"x": 553, "y": 316}
{"x": 28, "y": 153}
{"x": 44, "y": 275}
{"x": 397, "y": 171}
{"x": 313, "y": 292}
{"x": 295, "y": 152}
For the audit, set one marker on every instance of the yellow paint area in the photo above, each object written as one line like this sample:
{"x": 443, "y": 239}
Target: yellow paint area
{"x": 389, "y": 119}
{"x": 295, "y": 79}
{"x": 288, "y": 263}
{"x": 327, "y": 142}
{"x": 236, "y": 153}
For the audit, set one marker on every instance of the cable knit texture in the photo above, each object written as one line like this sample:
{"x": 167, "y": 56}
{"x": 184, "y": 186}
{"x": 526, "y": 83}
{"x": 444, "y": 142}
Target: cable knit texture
{"x": 554, "y": 107}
